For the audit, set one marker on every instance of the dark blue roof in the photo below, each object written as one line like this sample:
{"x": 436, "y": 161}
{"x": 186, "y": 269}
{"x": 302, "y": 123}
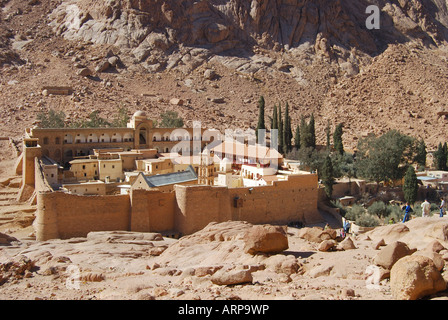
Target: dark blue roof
{"x": 172, "y": 178}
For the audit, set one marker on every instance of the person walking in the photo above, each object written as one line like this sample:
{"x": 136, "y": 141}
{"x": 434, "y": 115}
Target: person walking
{"x": 426, "y": 208}
{"x": 407, "y": 212}
{"x": 442, "y": 208}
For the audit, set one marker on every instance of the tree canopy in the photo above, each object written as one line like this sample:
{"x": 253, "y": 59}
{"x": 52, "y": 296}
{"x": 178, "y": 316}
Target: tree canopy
{"x": 385, "y": 158}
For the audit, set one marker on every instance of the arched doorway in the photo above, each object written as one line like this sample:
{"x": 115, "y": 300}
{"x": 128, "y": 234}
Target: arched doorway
{"x": 142, "y": 134}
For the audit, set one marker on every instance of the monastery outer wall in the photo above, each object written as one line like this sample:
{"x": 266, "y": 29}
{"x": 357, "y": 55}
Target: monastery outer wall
{"x": 152, "y": 211}
{"x": 285, "y": 201}
{"x": 62, "y": 215}
{"x": 185, "y": 211}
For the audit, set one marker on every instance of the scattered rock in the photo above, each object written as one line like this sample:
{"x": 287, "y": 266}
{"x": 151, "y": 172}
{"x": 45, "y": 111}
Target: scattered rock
{"x": 176, "y": 101}
{"x": 210, "y": 74}
{"x": 317, "y": 234}
{"x": 282, "y": 264}
{"x": 113, "y": 61}
{"x": 319, "y": 271}
{"x": 327, "y": 245}
{"x": 84, "y": 72}
{"x": 379, "y": 243}
{"x": 346, "y": 244}
{"x": 6, "y": 240}
{"x": 231, "y": 277}
{"x": 102, "y": 66}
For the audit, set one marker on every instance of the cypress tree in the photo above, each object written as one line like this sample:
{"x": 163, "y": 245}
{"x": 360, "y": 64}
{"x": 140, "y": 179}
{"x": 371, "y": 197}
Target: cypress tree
{"x": 274, "y": 118}
{"x": 327, "y": 131}
{"x": 327, "y": 176}
{"x": 297, "y": 138}
{"x": 410, "y": 187}
{"x": 445, "y": 157}
{"x": 280, "y": 130}
{"x": 287, "y": 132}
{"x": 303, "y": 133}
{"x": 261, "y": 124}
{"x": 420, "y": 157}
{"x": 312, "y": 130}
{"x": 337, "y": 139}
{"x": 440, "y": 157}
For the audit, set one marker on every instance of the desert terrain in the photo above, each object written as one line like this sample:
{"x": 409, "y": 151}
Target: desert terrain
{"x": 218, "y": 58}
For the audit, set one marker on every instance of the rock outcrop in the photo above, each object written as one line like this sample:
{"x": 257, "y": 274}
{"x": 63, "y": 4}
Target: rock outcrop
{"x": 167, "y": 34}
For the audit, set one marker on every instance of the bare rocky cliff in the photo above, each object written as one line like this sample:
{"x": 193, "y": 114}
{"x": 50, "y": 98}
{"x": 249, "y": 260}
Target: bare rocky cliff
{"x": 194, "y": 30}
{"x": 316, "y": 55}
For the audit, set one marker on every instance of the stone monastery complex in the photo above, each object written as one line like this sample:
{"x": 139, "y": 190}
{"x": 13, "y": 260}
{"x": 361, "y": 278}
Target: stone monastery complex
{"x": 169, "y": 180}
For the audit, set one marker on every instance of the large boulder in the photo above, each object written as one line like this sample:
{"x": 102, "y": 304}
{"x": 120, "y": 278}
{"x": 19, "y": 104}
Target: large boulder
{"x": 327, "y": 245}
{"x": 265, "y": 239}
{"x": 391, "y": 253}
{"x": 414, "y": 277}
{"x": 317, "y": 234}
{"x": 346, "y": 244}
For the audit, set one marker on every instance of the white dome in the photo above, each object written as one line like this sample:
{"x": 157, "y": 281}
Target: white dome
{"x": 140, "y": 113}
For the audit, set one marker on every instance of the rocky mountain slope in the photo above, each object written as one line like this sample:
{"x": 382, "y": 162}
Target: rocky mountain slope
{"x": 318, "y": 57}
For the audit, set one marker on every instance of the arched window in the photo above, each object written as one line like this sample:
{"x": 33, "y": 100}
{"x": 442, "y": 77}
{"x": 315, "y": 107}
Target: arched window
{"x": 46, "y": 140}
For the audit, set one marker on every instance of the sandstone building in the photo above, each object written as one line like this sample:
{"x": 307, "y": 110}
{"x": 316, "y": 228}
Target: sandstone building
{"x": 142, "y": 178}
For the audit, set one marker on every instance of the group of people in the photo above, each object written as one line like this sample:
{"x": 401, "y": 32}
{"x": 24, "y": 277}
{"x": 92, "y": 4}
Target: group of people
{"x": 426, "y": 209}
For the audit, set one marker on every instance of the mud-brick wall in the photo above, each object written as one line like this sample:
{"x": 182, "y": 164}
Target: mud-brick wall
{"x": 62, "y": 215}
{"x": 152, "y": 211}
{"x": 286, "y": 201}
{"x": 197, "y": 206}
{"x": 283, "y": 202}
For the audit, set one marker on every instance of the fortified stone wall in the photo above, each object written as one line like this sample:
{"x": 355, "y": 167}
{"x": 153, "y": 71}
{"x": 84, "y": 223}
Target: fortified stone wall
{"x": 186, "y": 210}
{"x": 62, "y": 215}
{"x": 283, "y": 202}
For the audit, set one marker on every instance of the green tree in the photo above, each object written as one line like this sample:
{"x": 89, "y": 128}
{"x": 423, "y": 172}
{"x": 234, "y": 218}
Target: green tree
{"x": 121, "y": 118}
{"x": 327, "y": 133}
{"x": 287, "y": 131}
{"x": 420, "y": 157}
{"x": 385, "y": 158}
{"x": 297, "y": 138}
{"x": 261, "y": 124}
{"x": 410, "y": 186}
{"x": 327, "y": 176}
{"x": 304, "y": 136}
{"x": 280, "y": 130}
{"x": 51, "y": 119}
{"x": 274, "y": 118}
{"x": 337, "y": 139}
{"x": 312, "y": 130}
{"x": 94, "y": 121}
{"x": 171, "y": 119}
{"x": 440, "y": 157}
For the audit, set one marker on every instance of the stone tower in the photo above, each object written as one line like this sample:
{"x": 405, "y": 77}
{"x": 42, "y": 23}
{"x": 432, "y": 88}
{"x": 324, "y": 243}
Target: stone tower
{"x": 206, "y": 168}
